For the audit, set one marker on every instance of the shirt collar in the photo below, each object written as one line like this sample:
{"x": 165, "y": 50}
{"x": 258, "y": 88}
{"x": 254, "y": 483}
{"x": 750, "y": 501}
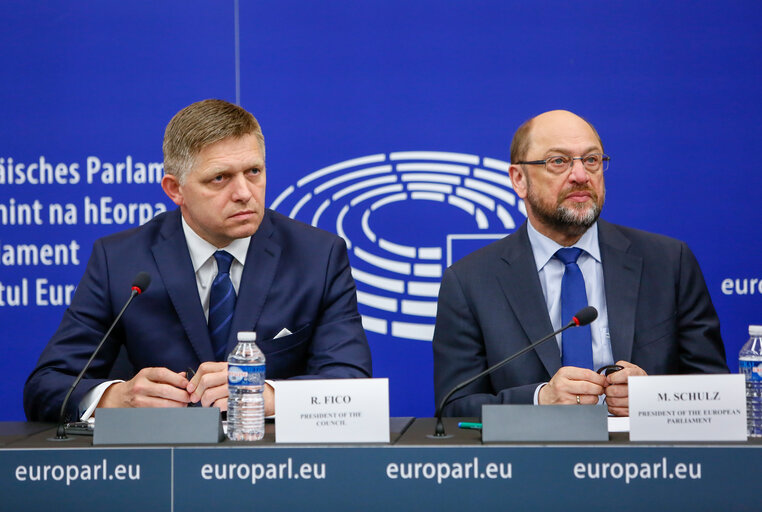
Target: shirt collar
{"x": 201, "y": 250}
{"x": 544, "y": 248}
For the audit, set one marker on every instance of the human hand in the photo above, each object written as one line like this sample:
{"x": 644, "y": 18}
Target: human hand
{"x": 572, "y": 385}
{"x": 210, "y": 385}
{"x": 151, "y": 387}
{"x": 269, "y": 396}
{"x": 617, "y": 392}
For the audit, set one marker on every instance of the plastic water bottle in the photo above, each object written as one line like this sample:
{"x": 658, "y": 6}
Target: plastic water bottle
{"x": 750, "y": 363}
{"x": 246, "y": 382}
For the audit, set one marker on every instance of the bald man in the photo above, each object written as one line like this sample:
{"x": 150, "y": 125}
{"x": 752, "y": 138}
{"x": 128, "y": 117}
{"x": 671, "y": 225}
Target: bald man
{"x": 655, "y": 313}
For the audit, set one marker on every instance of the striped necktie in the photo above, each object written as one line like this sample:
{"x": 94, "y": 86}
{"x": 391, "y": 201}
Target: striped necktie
{"x": 221, "y": 305}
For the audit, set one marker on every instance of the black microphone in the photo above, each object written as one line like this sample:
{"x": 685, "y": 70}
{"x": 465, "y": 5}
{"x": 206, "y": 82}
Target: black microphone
{"x": 583, "y": 317}
{"x": 139, "y": 285}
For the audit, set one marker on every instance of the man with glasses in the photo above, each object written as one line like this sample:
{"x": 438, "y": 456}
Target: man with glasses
{"x": 655, "y": 315}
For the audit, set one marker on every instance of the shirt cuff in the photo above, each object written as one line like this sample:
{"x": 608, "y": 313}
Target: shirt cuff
{"x": 537, "y": 393}
{"x": 90, "y": 400}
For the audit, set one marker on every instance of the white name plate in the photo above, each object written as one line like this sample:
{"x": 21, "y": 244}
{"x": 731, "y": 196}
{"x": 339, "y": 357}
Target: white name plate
{"x": 332, "y": 411}
{"x": 687, "y": 408}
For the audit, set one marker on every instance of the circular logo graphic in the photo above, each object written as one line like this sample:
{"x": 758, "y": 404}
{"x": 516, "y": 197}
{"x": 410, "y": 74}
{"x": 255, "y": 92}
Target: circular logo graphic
{"x": 236, "y": 374}
{"x": 405, "y": 217}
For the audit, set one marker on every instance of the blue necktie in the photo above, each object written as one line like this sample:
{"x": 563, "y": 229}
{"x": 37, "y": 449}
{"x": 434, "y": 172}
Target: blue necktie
{"x": 577, "y": 341}
{"x": 221, "y": 305}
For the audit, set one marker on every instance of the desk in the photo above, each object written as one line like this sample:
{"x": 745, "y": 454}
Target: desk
{"x": 413, "y": 472}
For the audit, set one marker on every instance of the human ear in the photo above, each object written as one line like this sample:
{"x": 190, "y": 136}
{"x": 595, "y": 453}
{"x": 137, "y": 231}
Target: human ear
{"x": 519, "y": 180}
{"x": 171, "y": 186}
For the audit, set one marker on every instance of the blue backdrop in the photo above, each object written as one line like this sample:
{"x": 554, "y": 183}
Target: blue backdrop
{"x": 388, "y": 122}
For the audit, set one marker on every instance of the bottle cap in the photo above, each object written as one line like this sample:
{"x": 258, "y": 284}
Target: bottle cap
{"x": 247, "y": 336}
{"x": 755, "y": 330}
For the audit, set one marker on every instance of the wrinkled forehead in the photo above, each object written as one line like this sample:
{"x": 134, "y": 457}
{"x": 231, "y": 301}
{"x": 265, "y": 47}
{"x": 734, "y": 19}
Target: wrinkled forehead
{"x": 564, "y": 131}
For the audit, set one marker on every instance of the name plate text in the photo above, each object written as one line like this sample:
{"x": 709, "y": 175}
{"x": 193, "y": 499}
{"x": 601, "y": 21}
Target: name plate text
{"x": 687, "y": 408}
{"x": 332, "y": 411}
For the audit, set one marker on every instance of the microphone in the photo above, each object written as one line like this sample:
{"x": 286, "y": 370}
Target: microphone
{"x": 583, "y": 317}
{"x": 139, "y": 285}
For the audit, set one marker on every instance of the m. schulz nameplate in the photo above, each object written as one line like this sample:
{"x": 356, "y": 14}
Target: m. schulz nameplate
{"x": 687, "y": 408}
{"x": 332, "y": 411}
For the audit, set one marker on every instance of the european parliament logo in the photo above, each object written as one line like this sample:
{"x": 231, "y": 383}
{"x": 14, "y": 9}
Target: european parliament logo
{"x": 405, "y": 217}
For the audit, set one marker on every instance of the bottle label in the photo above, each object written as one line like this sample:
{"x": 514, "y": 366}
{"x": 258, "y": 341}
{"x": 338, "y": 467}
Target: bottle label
{"x": 246, "y": 375}
{"x": 752, "y": 370}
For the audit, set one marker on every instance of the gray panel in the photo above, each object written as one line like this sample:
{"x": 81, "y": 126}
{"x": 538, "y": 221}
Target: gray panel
{"x": 191, "y": 425}
{"x": 544, "y": 423}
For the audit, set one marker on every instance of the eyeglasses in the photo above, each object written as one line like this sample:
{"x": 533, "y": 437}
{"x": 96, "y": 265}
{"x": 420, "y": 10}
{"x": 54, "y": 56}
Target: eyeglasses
{"x": 559, "y": 164}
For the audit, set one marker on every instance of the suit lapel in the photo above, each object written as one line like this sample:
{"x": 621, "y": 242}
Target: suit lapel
{"x": 176, "y": 269}
{"x": 521, "y": 286}
{"x": 258, "y": 274}
{"x": 621, "y": 277}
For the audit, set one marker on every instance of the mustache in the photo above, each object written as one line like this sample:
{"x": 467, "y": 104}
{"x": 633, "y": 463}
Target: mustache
{"x": 579, "y": 188}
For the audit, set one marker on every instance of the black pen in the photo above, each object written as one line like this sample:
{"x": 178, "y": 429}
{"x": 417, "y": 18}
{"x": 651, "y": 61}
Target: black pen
{"x": 189, "y": 374}
{"x": 609, "y": 369}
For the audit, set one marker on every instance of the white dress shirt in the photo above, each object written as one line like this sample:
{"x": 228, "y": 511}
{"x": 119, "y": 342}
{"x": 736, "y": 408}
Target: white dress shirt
{"x": 205, "y": 266}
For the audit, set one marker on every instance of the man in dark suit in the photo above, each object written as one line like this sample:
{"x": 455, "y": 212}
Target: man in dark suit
{"x": 655, "y": 313}
{"x": 289, "y": 282}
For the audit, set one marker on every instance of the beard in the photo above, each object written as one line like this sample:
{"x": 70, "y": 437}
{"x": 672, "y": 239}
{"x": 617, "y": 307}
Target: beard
{"x": 573, "y": 220}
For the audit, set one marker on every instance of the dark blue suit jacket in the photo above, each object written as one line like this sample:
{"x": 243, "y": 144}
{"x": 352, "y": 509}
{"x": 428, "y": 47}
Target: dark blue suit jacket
{"x": 491, "y": 305}
{"x": 295, "y": 276}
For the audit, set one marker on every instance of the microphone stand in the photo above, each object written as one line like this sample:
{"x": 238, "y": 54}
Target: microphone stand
{"x": 61, "y": 430}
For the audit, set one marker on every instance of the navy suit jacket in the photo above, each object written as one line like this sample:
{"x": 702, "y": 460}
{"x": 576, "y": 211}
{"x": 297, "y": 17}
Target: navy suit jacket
{"x": 295, "y": 277}
{"x": 491, "y": 305}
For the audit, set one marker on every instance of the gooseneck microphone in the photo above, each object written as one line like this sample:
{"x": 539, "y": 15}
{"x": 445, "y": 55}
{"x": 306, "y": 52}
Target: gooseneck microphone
{"x": 139, "y": 285}
{"x": 583, "y": 317}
